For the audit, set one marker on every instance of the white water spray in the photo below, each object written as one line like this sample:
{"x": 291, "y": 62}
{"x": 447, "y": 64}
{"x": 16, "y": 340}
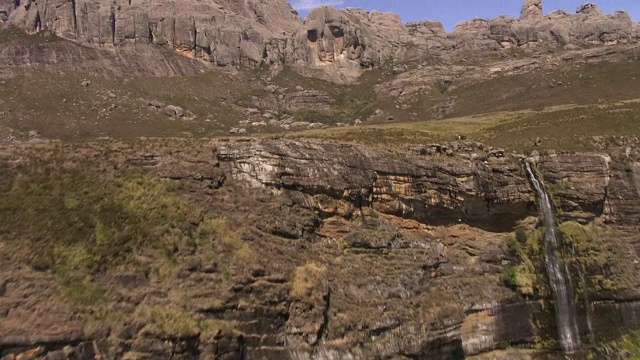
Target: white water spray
{"x": 557, "y": 270}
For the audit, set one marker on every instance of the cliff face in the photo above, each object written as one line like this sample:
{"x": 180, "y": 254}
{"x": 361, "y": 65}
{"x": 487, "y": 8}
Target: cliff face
{"x": 326, "y": 251}
{"x": 490, "y": 191}
{"x": 263, "y": 248}
{"x": 221, "y": 32}
{"x": 346, "y": 41}
{"x": 429, "y": 189}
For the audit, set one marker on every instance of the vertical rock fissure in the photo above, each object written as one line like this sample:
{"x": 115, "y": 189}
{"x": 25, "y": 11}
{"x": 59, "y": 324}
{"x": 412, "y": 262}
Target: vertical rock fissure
{"x": 113, "y": 23}
{"x": 75, "y": 17}
{"x": 325, "y": 318}
{"x": 557, "y": 270}
{"x": 195, "y": 37}
{"x": 243, "y": 347}
{"x": 38, "y": 23}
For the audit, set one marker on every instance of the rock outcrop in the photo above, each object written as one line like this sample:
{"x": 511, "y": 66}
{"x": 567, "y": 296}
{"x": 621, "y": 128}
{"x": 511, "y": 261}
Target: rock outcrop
{"x": 335, "y": 44}
{"x": 491, "y": 192}
{"x": 6, "y": 6}
{"x": 282, "y": 99}
{"x": 222, "y": 32}
{"x": 579, "y": 182}
{"x": 59, "y": 55}
{"x": 531, "y": 10}
{"x": 349, "y": 40}
{"x": 589, "y": 26}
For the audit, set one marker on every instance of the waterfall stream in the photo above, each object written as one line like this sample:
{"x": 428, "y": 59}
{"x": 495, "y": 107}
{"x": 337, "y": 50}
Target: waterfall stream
{"x": 557, "y": 270}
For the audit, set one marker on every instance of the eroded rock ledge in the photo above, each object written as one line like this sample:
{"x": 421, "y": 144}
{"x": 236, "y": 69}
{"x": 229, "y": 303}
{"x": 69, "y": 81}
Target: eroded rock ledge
{"x": 490, "y": 192}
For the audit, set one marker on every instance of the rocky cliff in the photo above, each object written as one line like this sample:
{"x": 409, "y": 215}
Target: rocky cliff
{"x": 487, "y": 189}
{"x": 429, "y": 189}
{"x": 432, "y": 188}
{"x": 269, "y": 32}
{"x": 221, "y": 32}
{"x": 370, "y": 39}
{"x": 309, "y": 250}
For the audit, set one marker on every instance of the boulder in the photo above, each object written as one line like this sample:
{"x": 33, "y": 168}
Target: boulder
{"x": 156, "y": 104}
{"x": 34, "y": 135}
{"x": 174, "y": 111}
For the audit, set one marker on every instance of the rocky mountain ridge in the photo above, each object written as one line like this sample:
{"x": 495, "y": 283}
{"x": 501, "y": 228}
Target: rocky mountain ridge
{"x": 258, "y": 32}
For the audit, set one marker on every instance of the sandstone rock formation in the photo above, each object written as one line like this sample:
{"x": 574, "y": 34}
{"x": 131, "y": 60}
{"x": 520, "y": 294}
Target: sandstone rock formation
{"x": 348, "y": 40}
{"x": 339, "y": 253}
{"x": 222, "y": 32}
{"x": 335, "y": 44}
{"x": 352, "y": 39}
{"x": 123, "y": 61}
{"x": 491, "y": 194}
{"x": 582, "y": 181}
{"x": 531, "y": 10}
{"x": 286, "y": 100}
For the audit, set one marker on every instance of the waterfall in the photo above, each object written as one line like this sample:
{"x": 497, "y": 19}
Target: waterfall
{"x": 557, "y": 270}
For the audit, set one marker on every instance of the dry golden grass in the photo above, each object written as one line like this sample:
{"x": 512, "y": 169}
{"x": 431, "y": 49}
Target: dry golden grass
{"x": 566, "y": 127}
{"x": 307, "y": 280}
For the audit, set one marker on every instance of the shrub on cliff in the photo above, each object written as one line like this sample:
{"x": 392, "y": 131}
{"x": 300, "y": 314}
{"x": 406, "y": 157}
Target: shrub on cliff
{"x": 309, "y": 282}
{"x": 524, "y": 246}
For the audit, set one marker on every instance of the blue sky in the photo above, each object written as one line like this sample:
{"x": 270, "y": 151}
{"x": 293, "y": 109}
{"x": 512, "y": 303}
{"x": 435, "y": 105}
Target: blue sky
{"x": 452, "y": 11}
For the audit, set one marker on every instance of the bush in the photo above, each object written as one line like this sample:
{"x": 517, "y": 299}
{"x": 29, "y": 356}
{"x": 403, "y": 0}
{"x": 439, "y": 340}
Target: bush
{"x": 511, "y": 276}
{"x": 307, "y": 280}
{"x": 521, "y": 235}
{"x": 170, "y": 323}
{"x": 525, "y": 246}
{"x": 522, "y": 276}
{"x": 631, "y": 345}
{"x": 590, "y": 250}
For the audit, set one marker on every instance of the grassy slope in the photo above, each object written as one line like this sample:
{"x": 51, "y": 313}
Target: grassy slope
{"x": 570, "y": 128}
{"x": 68, "y": 110}
{"x": 565, "y": 106}
{"x": 512, "y": 104}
